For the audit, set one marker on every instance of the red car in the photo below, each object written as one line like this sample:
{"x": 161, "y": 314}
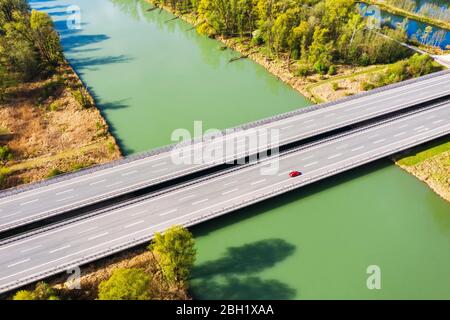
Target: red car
{"x": 294, "y": 174}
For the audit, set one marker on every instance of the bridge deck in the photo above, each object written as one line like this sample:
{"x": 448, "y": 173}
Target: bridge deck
{"x": 23, "y": 260}
{"x": 25, "y": 205}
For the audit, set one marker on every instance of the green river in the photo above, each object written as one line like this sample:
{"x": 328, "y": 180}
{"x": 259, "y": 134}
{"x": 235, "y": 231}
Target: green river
{"x": 150, "y": 76}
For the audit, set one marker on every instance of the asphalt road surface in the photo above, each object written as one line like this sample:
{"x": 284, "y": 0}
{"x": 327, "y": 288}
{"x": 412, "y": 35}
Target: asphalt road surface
{"x": 48, "y": 200}
{"x": 35, "y": 256}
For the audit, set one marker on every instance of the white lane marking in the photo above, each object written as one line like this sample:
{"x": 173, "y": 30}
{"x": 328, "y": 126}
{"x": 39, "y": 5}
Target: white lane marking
{"x": 307, "y": 158}
{"x": 87, "y": 230}
{"x": 97, "y": 182}
{"x": 12, "y": 214}
{"x": 330, "y": 115}
{"x": 138, "y": 213}
{"x": 161, "y": 170}
{"x": 159, "y": 164}
{"x": 430, "y": 117}
{"x": 28, "y": 202}
{"x": 403, "y": 126}
{"x": 30, "y": 249}
{"x": 357, "y": 148}
{"x": 199, "y": 201}
{"x": 310, "y": 164}
{"x": 62, "y": 192}
{"x": 342, "y": 146}
{"x": 422, "y": 130}
{"x": 335, "y": 156}
{"x": 378, "y": 141}
{"x": 186, "y": 197}
{"x": 284, "y": 173}
{"x": 400, "y": 134}
{"x": 59, "y": 249}
{"x": 229, "y": 183}
{"x": 133, "y": 224}
{"x": 373, "y": 136}
{"x": 168, "y": 212}
{"x": 113, "y": 184}
{"x": 308, "y": 121}
{"x": 287, "y": 127}
{"x": 129, "y": 172}
{"x": 98, "y": 236}
{"x": 229, "y": 191}
{"x": 257, "y": 182}
{"x": 66, "y": 198}
{"x": 418, "y": 128}
{"x": 17, "y": 263}
{"x": 438, "y": 121}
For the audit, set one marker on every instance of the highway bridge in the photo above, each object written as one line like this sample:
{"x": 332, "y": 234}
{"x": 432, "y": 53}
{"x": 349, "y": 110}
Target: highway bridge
{"x": 32, "y": 203}
{"x": 54, "y": 248}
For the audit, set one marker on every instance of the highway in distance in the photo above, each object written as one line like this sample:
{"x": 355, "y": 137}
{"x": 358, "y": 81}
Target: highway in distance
{"x": 34, "y": 256}
{"x": 22, "y": 206}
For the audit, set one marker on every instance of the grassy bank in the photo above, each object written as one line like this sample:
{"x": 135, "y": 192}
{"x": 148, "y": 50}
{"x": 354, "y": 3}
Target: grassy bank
{"x": 431, "y": 164}
{"x": 408, "y": 14}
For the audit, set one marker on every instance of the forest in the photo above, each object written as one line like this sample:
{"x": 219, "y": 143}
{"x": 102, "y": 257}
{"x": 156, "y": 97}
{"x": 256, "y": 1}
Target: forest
{"x": 317, "y": 33}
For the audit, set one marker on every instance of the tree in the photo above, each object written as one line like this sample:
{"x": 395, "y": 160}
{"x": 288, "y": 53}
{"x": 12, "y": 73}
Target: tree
{"x": 9, "y": 7}
{"x": 176, "y": 252}
{"x": 126, "y": 284}
{"x": 45, "y": 38}
{"x": 320, "y": 50}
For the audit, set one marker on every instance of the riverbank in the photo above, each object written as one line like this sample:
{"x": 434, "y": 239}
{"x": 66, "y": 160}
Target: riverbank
{"x": 430, "y": 163}
{"x": 348, "y": 80}
{"x": 407, "y": 14}
{"x": 51, "y": 126}
{"x": 94, "y": 273}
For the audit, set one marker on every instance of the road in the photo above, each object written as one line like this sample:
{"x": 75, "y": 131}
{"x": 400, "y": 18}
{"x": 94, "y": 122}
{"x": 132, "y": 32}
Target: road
{"x": 22, "y": 206}
{"x": 37, "y": 255}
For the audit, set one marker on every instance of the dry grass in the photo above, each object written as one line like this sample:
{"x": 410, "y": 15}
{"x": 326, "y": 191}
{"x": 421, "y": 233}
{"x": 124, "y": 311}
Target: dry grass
{"x": 46, "y": 128}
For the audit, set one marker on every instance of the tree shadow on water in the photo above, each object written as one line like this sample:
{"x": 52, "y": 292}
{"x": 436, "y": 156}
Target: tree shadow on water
{"x": 249, "y": 288}
{"x": 75, "y": 41}
{"x": 90, "y": 63}
{"x": 230, "y": 277}
{"x": 246, "y": 259}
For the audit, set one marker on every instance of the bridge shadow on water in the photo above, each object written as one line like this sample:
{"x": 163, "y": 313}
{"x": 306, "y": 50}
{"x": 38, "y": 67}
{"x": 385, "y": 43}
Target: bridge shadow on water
{"x": 295, "y": 195}
{"x": 236, "y": 269}
{"x": 234, "y": 276}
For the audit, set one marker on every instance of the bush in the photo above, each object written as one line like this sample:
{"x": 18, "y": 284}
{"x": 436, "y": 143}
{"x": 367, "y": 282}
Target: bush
{"x": 54, "y": 106}
{"x": 42, "y": 291}
{"x": 335, "y": 86}
{"x": 365, "y": 86}
{"x": 3, "y": 175}
{"x": 303, "y": 70}
{"x": 126, "y": 284}
{"x": 24, "y": 295}
{"x": 81, "y": 98}
{"x": 332, "y": 71}
{"x": 54, "y": 172}
{"x": 5, "y": 153}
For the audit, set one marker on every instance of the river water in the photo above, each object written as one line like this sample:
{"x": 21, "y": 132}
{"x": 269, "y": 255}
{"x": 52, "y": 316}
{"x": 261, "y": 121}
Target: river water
{"x": 437, "y": 37}
{"x": 150, "y": 76}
